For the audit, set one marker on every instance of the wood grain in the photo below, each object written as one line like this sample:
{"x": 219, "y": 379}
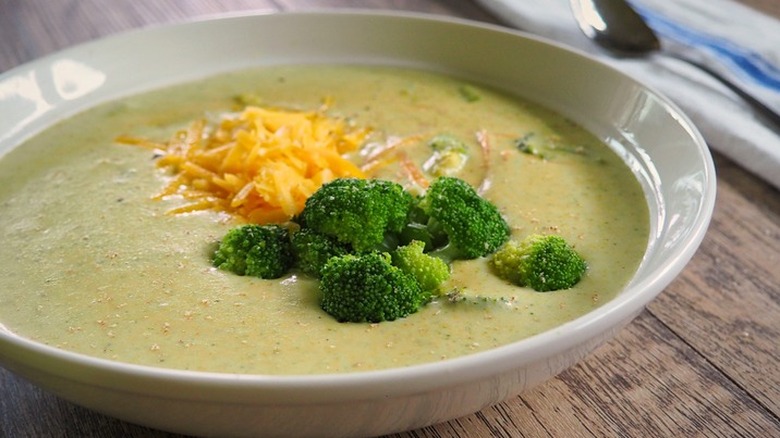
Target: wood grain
{"x": 702, "y": 360}
{"x": 726, "y": 305}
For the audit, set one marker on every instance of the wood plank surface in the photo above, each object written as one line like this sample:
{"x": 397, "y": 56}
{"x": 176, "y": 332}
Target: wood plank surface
{"x": 702, "y": 360}
{"x": 726, "y": 305}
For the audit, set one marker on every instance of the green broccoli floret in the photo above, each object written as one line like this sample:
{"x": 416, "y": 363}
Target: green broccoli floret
{"x": 430, "y": 272}
{"x": 312, "y": 250}
{"x": 530, "y": 144}
{"x": 459, "y": 297}
{"x": 360, "y": 212}
{"x": 449, "y": 156}
{"x": 461, "y": 224}
{"x": 469, "y": 93}
{"x": 368, "y": 288}
{"x": 256, "y": 250}
{"x": 349, "y": 234}
{"x": 541, "y": 262}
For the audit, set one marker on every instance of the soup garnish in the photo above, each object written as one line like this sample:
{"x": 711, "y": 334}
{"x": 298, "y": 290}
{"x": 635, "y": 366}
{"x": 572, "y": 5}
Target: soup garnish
{"x": 260, "y": 164}
{"x": 381, "y": 254}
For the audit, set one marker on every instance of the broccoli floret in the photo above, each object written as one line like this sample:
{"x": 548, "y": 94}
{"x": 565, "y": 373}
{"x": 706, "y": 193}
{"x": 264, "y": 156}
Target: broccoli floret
{"x": 469, "y": 93}
{"x": 368, "y": 288}
{"x": 312, "y": 250}
{"x": 470, "y": 225}
{"x": 529, "y": 144}
{"x": 446, "y": 142}
{"x": 348, "y": 235}
{"x": 457, "y": 296}
{"x": 257, "y": 250}
{"x": 359, "y": 212}
{"x": 430, "y": 272}
{"x": 448, "y": 158}
{"x": 541, "y": 262}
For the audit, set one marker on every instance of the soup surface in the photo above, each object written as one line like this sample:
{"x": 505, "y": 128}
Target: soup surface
{"x": 92, "y": 264}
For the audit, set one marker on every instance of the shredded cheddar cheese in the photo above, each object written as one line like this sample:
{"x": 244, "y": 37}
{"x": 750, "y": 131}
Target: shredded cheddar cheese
{"x": 260, "y": 164}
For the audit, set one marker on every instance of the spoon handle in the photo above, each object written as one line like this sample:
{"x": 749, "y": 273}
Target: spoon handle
{"x": 768, "y": 113}
{"x": 617, "y": 27}
{"x": 752, "y": 62}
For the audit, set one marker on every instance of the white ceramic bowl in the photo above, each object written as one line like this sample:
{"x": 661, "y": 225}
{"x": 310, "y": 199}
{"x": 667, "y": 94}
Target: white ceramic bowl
{"x": 666, "y": 152}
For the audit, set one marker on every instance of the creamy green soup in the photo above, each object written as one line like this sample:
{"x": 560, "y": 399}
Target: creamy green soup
{"x": 92, "y": 264}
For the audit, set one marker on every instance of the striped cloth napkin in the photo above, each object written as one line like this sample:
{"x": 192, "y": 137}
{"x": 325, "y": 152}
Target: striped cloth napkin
{"x": 744, "y": 43}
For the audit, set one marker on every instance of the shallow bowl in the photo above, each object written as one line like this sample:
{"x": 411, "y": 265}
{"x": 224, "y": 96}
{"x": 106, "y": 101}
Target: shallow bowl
{"x": 665, "y": 151}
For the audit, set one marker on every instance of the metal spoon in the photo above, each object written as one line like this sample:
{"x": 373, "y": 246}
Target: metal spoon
{"x": 616, "y": 26}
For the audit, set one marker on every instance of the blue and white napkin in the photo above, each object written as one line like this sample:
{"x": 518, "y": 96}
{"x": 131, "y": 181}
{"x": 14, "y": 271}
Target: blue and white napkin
{"x": 742, "y": 40}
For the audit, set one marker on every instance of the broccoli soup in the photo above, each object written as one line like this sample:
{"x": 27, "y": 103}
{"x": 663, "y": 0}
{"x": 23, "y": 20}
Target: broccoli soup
{"x": 98, "y": 261}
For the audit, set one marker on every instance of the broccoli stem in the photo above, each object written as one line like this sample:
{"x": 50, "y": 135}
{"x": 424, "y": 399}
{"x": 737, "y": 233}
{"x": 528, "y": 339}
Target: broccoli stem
{"x": 389, "y": 243}
{"x": 447, "y": 253}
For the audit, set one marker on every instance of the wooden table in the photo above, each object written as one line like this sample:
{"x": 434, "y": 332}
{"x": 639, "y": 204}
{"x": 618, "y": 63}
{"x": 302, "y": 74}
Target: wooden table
{"x": 702, "y": 360}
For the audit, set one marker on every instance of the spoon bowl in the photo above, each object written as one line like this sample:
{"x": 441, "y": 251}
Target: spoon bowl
{"x": 615, "y": 26}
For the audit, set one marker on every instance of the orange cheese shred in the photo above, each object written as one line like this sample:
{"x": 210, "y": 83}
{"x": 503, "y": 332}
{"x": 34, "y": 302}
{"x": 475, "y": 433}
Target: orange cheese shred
{"x": 260, "y": 164}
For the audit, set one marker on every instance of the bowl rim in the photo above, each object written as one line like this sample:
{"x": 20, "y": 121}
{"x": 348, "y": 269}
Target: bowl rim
{"x": 416, "y": 378}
